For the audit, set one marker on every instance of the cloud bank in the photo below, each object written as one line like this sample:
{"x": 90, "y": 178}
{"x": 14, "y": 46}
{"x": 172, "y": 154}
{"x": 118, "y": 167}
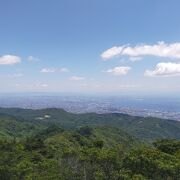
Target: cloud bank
{"x": 160, "y": 49}
{"x": 164, "y": 70}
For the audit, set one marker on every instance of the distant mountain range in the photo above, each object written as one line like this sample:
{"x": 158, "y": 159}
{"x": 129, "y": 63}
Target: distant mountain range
{"x": 15, "y": 122}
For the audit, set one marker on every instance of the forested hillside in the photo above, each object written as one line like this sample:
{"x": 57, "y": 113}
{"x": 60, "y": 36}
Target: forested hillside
{"x": 88, "y": 153}
{"x": 52, "y": 144}
{"x": 147, "y": 129}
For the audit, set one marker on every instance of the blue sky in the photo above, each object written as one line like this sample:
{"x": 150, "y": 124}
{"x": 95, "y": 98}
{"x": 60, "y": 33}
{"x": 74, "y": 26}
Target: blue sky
{"x": 90, "y": 46}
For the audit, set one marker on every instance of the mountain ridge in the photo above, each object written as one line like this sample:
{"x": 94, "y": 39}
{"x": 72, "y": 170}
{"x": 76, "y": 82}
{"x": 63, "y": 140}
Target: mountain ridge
{"x": 144, "y": 128}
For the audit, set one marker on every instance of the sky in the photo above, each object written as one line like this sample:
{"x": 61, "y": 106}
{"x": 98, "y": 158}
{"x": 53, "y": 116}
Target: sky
{"x": 90, "y": 46}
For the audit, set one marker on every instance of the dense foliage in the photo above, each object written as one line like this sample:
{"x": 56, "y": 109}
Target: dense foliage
{"x": 83, "y": 155}
{"x": 33, "y": 146}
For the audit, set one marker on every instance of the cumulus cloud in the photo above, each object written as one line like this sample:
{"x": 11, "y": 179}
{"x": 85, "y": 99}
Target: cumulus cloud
{"x": 48, "y": 70}
{"x": 118, "y": 71}
{"x": 112, "y": 52}
{"x": 76, "y": 78}
{"x": 160, "y": 49}
{"x": 9, "y": 60}
{"x": 164, "y": 69}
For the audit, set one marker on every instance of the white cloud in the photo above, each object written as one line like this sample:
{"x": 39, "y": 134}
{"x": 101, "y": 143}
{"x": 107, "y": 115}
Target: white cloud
{"x": 9, "y": 60}
{"x": 164, "y": 69}
{"x": 48, "y": 70}
{"x": 160, "y": 49}
{"x": 112, "y": 52}
{"x": 52, "y": 70}
{"x": 76, "y": 78}
{"x": 121, "y": 70}
{"x": 33, "y": 59}
{"x": 64, "y": 70}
